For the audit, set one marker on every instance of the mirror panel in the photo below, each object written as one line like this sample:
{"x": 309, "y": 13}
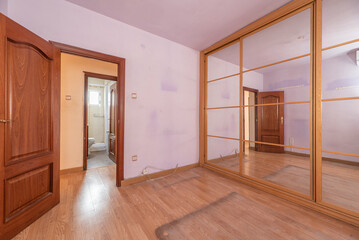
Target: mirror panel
{"x": 223, "y": 122}
{"x": 340, "y": 73}
{"x": 223, "y": 93}
{"x": 223, "y": 153}
{"x": 340, "y": 128}
{"x": 340, "y": 21}
{"x": 286, "y": 39}
{"x": 285, "y": 124}
{"x": 340, "y": 181}
{"x": 292, "y": 78}
{"x": 289, "y": 169}
{"x": 224, "y": 62}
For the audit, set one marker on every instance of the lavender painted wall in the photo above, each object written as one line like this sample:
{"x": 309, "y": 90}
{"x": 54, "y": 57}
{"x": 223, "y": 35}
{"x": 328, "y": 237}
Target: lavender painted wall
{"x": 3, "y": 6}
{"x": 161, "y": 125}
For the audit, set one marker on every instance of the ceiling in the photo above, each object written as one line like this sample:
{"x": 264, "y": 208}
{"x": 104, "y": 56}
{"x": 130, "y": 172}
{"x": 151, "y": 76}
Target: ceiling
{"x": 193, "y": 23}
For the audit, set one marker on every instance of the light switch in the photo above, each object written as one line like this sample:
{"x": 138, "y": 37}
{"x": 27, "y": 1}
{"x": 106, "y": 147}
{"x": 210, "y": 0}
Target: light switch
{"x": 68, "y": 97}
{"x": 134, "y": 158}
{"x": 134, "y": 95}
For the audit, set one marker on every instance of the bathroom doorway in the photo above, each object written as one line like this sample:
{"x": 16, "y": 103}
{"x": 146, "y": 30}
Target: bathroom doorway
{"x": 100, "y": 117}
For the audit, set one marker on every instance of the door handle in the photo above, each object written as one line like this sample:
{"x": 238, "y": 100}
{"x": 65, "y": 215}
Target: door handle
{"x": 4, "y": 121}
{"x": 282, "y": 120}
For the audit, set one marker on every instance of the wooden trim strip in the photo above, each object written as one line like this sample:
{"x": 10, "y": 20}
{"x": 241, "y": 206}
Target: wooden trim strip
{"x": 275, "y": 144}
{"x": 341, "y": 153}
{"x": 333, "y": 212}
{"x": 101, "y": 76}
{"x": 213, "y": 108}
{"x": 71, "y": 170}
{"x": 241, "y": 102}
{"x": 86, "y": 53}
{"x": 336, "y": 160}
{"x": 222, "y": 168}
{"x": 281, "y": 12}
{"x": 271, "y": 104}
{"x": 341, "y": 209}
{"x": 202, "y": 111}
{"x": 130, "y": 181}
{"x": 339, "y": 99}
{"x": 258, "y": 105}
{"x": 341, "y": 44}
{"x": 216, "y": 79}
{"x": 214, "y": 136}
{"x": 275, "y": 63}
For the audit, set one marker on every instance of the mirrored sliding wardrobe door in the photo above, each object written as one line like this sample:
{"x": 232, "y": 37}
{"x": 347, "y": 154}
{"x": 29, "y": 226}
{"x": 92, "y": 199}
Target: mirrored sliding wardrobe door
{"x": 277, "y": 104}
{"x": 340, "y": 105}
{"x": 222, "y": 108}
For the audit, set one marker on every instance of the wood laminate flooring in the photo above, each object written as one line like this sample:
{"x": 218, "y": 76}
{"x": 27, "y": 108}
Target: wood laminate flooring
{"x": 195, "y": 204}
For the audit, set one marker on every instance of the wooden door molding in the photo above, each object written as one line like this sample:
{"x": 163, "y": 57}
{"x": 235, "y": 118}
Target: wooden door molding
{"x": 30, "y": 138}
{"x": 255, "y": 91}
{"x": 273, "y": 132}
{"x": 113, "y": 119}
{"x": 120, "y": 93}
{"x": 85, "y": 128}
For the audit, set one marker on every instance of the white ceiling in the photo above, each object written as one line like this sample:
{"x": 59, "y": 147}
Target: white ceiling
{"x": 193, "y": 23}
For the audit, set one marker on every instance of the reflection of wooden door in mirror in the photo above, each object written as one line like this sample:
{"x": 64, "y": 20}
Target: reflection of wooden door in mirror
{"x": 29, "y": 127}
{"x": 113, "y": 121}
{"x": 271, "y": 121}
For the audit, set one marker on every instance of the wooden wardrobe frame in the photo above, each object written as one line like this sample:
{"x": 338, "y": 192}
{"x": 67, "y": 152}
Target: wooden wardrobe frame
{"x": 314, "y": 200}
{"x": 120, "y": 93}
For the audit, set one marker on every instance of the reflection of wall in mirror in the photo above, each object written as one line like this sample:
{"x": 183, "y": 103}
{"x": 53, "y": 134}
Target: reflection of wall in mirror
{"x": 294, "y": 80}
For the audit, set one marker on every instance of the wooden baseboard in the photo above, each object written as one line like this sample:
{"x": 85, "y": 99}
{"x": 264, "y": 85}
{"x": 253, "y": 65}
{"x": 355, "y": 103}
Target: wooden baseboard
{"x": 71, "y": 170}
{"x": 322, "y": 208}
{"x": 139, "y": 179}
{"x": 216, "y": 160}
{"x": 334, "y": 160}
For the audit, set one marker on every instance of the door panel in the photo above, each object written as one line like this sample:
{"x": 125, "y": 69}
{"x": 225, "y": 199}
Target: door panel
{"x": 28, "y": 133}
{"x": 270, "y": 121}
{"x": 113, "y": 125}
{"x": 20, "y": 193}
{"x": 29, "y": 108}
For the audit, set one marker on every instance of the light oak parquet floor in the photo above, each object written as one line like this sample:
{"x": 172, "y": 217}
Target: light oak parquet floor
{"x": 92, "y": 207}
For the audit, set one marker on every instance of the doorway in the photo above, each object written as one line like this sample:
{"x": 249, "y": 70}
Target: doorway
{"x": 120, "y": 107}
{"x": 264, "y": 123}
{"x": 250, "y": 121}
{"x": 100, "y": 119}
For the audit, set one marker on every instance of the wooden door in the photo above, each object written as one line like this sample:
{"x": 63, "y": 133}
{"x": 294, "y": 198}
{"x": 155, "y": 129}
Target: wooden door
{"x": 113, "y": 126}
{"x": 29, "y": 127}
{"x": 271, "y": 121}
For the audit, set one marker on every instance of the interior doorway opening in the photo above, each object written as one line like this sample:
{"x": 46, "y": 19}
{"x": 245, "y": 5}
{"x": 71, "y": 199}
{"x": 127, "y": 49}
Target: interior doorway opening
{"x": 73, "y": 99}
{"x": 250, "y": 119}
{"x": 100, "y": 117}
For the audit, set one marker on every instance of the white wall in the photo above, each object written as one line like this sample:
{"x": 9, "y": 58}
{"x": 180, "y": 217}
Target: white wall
{"x": 161, "y": 126}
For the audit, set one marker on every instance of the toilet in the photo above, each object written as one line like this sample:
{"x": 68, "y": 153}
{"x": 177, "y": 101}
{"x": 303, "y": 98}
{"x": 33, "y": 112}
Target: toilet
{"x": 90, "y": 142}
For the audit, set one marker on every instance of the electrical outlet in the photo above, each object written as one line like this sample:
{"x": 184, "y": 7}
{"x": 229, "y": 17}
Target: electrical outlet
{"x": 134, "y": 158}
{"x": 145, "y": 171}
